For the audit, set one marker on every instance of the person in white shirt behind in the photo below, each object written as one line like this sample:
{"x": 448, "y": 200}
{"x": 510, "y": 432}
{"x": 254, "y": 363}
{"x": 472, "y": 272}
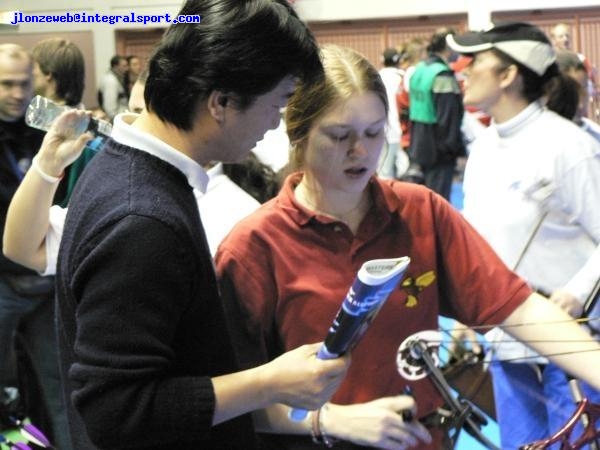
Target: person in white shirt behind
{"x": 529, "y": 182}
{"x": 391, "y": 76}
{"x": 112, "y": 93}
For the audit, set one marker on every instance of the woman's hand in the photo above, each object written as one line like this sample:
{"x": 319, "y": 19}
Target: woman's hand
{"x": 61, "y": 146}
{"x": 463, "y": 338}
{"x": 377, "y": 423}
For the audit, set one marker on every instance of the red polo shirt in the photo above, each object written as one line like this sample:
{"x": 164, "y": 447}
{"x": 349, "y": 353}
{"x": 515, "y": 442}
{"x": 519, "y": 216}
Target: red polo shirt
{"x": 285, "y": 272}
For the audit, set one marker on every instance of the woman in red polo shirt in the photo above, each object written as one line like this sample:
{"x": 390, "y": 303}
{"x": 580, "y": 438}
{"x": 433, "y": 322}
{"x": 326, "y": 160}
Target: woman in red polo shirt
{"x": 286, "y": 268}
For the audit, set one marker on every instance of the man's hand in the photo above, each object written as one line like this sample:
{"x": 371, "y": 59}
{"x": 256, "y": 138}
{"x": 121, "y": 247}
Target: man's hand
{"x": 300, "y": 380}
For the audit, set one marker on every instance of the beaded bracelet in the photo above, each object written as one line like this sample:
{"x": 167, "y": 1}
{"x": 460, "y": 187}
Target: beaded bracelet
{"x": 48, "y": 178}
{"x": 317, "y": 432}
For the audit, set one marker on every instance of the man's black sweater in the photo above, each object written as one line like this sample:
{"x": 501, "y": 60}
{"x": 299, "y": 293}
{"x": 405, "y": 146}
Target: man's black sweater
{"x": 140, "y": 323}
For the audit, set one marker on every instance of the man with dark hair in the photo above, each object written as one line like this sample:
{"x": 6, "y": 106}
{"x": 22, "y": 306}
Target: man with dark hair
{"x": 146, "y": 357}
{"x": 112, "y": 94}
{"x": 134, "y": 68}
{"x": 58, "y": 71}
{"x": 436, "y": 112}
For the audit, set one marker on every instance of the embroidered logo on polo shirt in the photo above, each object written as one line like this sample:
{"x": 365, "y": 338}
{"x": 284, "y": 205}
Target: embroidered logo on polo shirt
{"x": 414, "y": 286}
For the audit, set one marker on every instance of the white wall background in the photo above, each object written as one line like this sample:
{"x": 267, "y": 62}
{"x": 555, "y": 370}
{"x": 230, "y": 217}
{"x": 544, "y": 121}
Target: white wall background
{"x": 315, "y": 10}
{"x": 309, "y": 10}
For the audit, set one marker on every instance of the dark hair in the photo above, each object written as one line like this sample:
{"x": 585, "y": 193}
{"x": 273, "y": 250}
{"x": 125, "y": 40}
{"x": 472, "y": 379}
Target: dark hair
{"x": 242, "y": 48}
{"x": 534, "y": 85}
{"x": 564, "y": 96}
{"x": 566, "y": 93}
{"x": 64, "y": 61}
{"x": 437, "y": 43}
{"x": 391, "y": 57}
{"x": 256, "y": 178}
{"x": 115, "y": 60}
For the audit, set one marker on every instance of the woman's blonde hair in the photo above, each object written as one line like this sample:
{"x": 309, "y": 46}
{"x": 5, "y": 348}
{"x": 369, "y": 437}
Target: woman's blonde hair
{"x": 347, "y": 73}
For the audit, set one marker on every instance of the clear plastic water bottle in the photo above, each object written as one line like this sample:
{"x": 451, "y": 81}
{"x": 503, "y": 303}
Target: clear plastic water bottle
{"x": 41, "y": 112}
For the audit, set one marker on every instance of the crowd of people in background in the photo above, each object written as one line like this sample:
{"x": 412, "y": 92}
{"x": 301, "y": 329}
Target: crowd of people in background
{"x": 330, "y": 178}
{"x": 116, "y": 84}
{"x": 409, "y": 54}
